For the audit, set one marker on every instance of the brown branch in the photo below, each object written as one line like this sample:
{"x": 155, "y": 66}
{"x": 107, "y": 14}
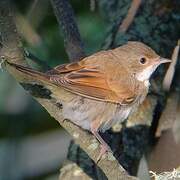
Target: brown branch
{"x": 10, "y": 48}
{"x": 72, "y": 40}
{"x": 168, "y": 116}
{"x": 171, "y": 70}
{"x": 130, "y": 15}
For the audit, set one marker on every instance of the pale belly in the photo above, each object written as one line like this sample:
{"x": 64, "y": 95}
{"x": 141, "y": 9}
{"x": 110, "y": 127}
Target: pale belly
{"x": 83, "y": 111}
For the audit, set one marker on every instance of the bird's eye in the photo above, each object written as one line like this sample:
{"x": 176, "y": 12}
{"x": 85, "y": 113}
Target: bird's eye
{"x": 143, "y": 60}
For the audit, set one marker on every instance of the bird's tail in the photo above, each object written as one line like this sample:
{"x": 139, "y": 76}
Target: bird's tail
{"x": 37, "y": 83}
{"x": 28, "y": 73}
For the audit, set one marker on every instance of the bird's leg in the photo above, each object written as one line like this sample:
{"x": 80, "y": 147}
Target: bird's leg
{"x": 104, "y": 146}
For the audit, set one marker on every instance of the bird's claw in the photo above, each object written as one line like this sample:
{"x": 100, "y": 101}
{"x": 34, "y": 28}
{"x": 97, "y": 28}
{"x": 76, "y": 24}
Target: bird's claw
{"x": 103, "y": 150}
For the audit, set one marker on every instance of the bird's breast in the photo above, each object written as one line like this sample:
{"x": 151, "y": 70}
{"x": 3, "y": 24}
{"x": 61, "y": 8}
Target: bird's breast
{"x": 83, "y": 111}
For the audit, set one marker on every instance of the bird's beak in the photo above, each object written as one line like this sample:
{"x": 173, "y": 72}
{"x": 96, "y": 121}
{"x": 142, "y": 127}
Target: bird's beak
{"x": 163, "y": 60}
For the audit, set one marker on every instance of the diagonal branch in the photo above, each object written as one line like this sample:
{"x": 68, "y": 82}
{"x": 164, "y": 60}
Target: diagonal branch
{"x": 11, "y": 50}
{"x": 130, "y": 15}
{"x": 72, "y": 40}
{"x": 171, "y": 70}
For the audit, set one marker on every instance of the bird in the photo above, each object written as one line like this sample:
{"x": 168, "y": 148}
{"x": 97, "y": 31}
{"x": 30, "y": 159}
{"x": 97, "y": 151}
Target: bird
{"x": 103, "y": 88}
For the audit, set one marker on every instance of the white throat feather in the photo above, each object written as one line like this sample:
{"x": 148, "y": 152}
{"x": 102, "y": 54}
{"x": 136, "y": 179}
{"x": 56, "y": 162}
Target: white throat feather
{"x": 146, "y": 73}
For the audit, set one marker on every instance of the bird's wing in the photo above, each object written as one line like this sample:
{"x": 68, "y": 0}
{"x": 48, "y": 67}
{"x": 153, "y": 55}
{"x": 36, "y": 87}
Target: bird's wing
{"x": 91, "y": 82}
{"x": 65, "y": 68}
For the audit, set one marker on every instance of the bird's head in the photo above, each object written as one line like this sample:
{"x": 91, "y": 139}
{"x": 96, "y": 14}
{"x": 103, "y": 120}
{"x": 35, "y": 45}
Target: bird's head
{"x": 141, "y": 60}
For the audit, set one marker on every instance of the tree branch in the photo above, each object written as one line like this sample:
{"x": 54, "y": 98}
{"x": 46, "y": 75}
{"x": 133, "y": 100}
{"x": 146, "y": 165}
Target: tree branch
{"x": 171, "y": 70}
{"x": 11, "y": 50}
{"x": 130, "y": 15}
{"x": 72, "y": 40}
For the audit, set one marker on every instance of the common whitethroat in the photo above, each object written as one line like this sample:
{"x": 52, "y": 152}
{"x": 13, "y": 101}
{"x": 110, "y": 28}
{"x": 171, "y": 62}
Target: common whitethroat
{"x": 104, "y": 88}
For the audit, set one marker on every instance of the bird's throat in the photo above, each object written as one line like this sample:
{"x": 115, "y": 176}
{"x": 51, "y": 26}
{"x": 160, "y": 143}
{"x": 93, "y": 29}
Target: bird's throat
{"x": 145, "y": 74}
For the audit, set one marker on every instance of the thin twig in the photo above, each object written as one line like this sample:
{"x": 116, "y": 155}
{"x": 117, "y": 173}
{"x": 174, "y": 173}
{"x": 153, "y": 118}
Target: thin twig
{"x": 31, "y": 9}
{"x": 37, "y": 61}
{"x": 171, "y": 70}
{"x": 130, "y": 15}
{"x": 37, "y": 12}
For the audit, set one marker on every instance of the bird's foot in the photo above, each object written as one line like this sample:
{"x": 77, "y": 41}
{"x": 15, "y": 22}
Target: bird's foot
{"x": 104, "y": 148}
